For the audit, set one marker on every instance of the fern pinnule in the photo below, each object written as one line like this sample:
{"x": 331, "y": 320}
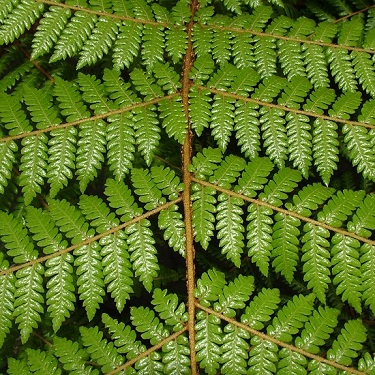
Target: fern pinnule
{"x": 21, "y": 17}
{"x": 101, "y": 351}
{"x": 349, "y": 341}
{"x": 74, "y": 35}
{"x": 49, "y": 30}
{"x": 261, "y": 308}
{"x": 71, "y": 356}
{"x": 7, "y": 285}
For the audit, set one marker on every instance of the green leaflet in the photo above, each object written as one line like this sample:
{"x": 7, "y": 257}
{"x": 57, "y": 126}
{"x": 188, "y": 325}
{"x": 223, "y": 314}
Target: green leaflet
{"x": 317, "y": 329}
{"x": 47, "y": 32}
{"x": 166, "y": 305}
{"x": 7, "y": 284}
{"x": 72, "y": 357}
{"x": 208, "y": 341}
{"x": 142, "y": 252}
{"x": 60, "y": 294}
{"x": 350, "y": 339}
{"x": 291, "y": 317}
{"x": 99, "y": 349}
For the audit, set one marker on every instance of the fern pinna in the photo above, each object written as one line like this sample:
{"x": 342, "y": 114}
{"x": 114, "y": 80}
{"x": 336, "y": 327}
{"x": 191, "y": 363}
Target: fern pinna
{"x": 187, "y": 187}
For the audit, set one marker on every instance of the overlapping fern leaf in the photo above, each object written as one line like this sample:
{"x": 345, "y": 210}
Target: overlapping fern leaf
{"x": 226, "y": 146}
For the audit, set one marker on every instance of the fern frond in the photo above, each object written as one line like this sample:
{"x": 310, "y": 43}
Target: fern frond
{"x": 167, "y": 181}
{"x": 290, "y": 54}
{"x": 366, "y": 363}
{"x": 147, "y": 131}
{"x": 261, "y": 308}
{"x": 121, "y": 198}
{"x": 176, "y": 43}
{"x": 223, "y": 78}
{"x": 259, "y": 236}
{"x": 101, "y": 351}
{"x": 347, "y": 344}
{"x": 325, "y": 148}
{"x": 234, "y": 350}
{"x": 176, "y": 356}
{"x": 118, "y": 90}
{"x": 309, "y": 198}
{"x": 150, "y": 327}
{"x": 29, "y": 301}
{"x": 340, "y": 206}
{"x": 363, "y": 221}
{"x": 99, "y": 41}
{"x": 127, "y": 44}
{"x": 263, "y": 356}
{"x": 361, "y": 152}
{"x": 230, "y": 230}
{"x": 90, "y": 151}
{"x": 115, "y": 258}
{"x": 199, "y": 109}
{"x": 74, "y": 35}
{"x": 204, "y": 163}
{"x": 291, "y": 317}
{"x": 203, "y": 207}
{"x": 316, "y": 259}
{"x": 265, "y": 56}
{"x": 7, "y": 159}
{"x": 254, "y": 177}
{"x": 93, "y": 93}
{"x": 235, "y": 295}
{"x": 222, "y": 120}
{"x": 318, "y": 329}
{"x": 146, "y": 188}
{"x": 61, "y": 150}
{"x": 284, "y": 181}
{"x": 72, "y": 357}
{"x": 120, "y": 144}
{"x": 242, "y": 50}
{"x": 167, "y": 78}
{"x": 12, "y": 115}
{"x": 316, "y": 69}
{"x": 13, "y": 77}
{"x": 221, "y": 46}
{"x": 368, "y": 275}
{"x": 142, "y": 252}
{"x": 209, "y": 286}
{"x": 20, "y": 19}
{"x": 364, "y": 71}
{"x": 167, "y": 306}
{"x": 346, "y": 269}
{"x": 291, "y": 362}
{"x": 341, "y": 69}
{"x": 42, "y": 362}
{"x": 33, "y": 166}
{"x": 60, "y": 287}
{"x": 209, "y": 338}
{"x": 247, "y": 128}
{"x": 18, "y": 367}
{"x": 153, "y": 45}
{"x": 41, "y": 108}
{"x": 174, "y": 120}
{"x": 284, "y": 245}
{"x": 7, "y": 291}
{"x": 171, "y": 221}
{"x": 88, "y": 260}
{"x": 49, "y": 29}
{"x": 70, "y": 101}
{"x": 16, "y": 240}
{"x": 274, "y": 134}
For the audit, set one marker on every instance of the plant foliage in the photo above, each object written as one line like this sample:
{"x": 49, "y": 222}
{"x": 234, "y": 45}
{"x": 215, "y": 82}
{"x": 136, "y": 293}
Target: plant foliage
{"x": 187, "y": 187}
